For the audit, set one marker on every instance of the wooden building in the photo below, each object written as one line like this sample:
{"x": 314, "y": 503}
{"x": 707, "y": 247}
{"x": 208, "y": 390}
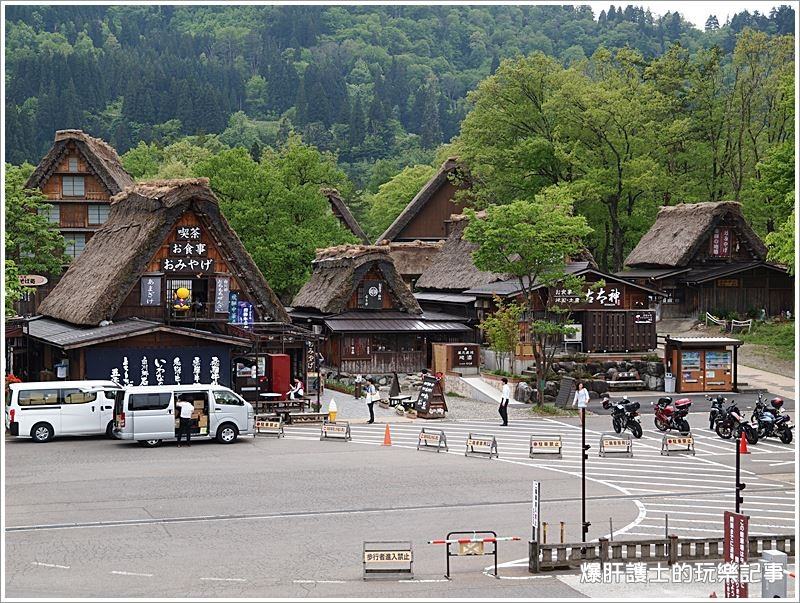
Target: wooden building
{"x": 427, "y": 215}
{"x": 705, "y": 257}
{"x": 113, "y": 314}
{"x": 78, "y": 175}
{"x": 613, "y": 318}
{"x": 342, "y": 213}
{"x": 372, "y": 323}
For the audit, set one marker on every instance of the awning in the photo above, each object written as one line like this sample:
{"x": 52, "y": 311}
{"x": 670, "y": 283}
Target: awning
{"x": 702, "y": 342}
{"x": 702, "y": 275}
{"x": 396, "y": 325}
{"x": 67, "y": 336}
{"x": 653, "y": 273}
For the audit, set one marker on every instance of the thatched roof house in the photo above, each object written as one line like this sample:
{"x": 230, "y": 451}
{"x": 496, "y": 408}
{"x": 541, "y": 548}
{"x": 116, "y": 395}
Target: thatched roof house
{"x": 344, "y": 215}
{"x": 142, "y": 216}
{"x": 680, "y": 231}
{"x": 101, "y": 157}
{"x": 707, "y": 258}
{"x": 412, "y": 258}
{"x": 454, "y": 269}
{"x": 426, "y": 215}
{"x": 337, "y": 273}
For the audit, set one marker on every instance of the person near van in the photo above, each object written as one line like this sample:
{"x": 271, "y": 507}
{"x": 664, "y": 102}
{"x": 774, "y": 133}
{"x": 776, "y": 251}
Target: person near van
{"x": 372, "y": 393}
{"x": 581, "y": 397}
{"x": 296, "y": 391}
{"x": 505, "y": 398}
{"x": 186, "y": 409}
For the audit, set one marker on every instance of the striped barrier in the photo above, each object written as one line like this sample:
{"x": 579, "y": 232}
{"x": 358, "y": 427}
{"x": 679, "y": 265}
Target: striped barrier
{"x": 545, "y": 446}
{"x": 335, "y": 431}
{"x": 269, "y": 426}
{"x": 486, "y": 446}
{"x": 616, "y": 443}
{"x": 471, "y": 546}
{"x": 432, "y": 439}
{"x": 685, "y": 443}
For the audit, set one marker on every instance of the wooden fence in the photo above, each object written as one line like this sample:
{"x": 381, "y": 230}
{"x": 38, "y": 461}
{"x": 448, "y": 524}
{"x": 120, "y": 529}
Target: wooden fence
{"x": 672, "y": 550}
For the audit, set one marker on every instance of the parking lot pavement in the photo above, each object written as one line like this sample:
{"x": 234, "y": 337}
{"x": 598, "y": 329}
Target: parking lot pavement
{"x": 269, "y": 517}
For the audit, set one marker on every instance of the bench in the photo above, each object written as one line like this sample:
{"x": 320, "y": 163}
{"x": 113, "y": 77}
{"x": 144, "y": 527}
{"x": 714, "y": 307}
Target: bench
{"x": 625, "y": 385}
{"x": 283, "y": 408}
{"x": 308, "y": 417}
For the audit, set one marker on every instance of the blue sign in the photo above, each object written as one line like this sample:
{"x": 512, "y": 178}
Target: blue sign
{"x": 233, "y": 307}
{"x": 245, "y": 314}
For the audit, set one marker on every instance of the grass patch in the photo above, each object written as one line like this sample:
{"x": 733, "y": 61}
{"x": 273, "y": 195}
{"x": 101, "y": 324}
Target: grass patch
{"x": 551, "y": 410}
{"x": 454, "y": 395}
{"x": 338, "y": 386}
{"x": 778, "y": 337}
{"x": 504, "y": 374}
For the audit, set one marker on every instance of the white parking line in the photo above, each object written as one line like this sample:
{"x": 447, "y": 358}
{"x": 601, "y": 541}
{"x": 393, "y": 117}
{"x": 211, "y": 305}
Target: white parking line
{"x": 131, "y": 574}
{"x": 50, "y": 565}
{"x": 225, "y": 579}
{"x": 321, "y": 581}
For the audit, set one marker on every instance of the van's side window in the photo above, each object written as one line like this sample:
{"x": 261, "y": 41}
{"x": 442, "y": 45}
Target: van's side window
{"x": 149, "y": 401}
{"x": 36, "y": 397}
{"x": 223, "y": 397}
{"x": 76, "y": 396}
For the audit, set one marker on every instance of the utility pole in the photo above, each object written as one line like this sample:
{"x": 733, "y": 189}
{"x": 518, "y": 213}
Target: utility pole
{"x": 584, "y": 447}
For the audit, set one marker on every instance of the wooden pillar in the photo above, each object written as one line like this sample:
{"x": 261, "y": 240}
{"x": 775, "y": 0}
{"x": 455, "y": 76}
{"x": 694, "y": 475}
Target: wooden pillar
{"x": 735, "y": 368}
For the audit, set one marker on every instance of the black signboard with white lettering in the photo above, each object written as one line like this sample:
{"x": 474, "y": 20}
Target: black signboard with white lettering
{"x": 222, "y": 297}
{"x": 187, "y": 265}
{"x": 372, "y": 296}
{"x": 431, "y": 403}
{"x": 150, "y": 294}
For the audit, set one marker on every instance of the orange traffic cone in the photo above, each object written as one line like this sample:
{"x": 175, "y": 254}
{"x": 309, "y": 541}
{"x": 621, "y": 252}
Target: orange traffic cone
{"x": 387, "y": 437}
{"x": 742, "y": 445}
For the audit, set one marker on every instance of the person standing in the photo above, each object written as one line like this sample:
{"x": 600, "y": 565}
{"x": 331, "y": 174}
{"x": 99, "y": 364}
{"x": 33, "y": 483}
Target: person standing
{"x": 581, "y": 397}
{"x": 186, "y": 409}
{"x": 505, "y": 398}
{"x": 372, "y": 393}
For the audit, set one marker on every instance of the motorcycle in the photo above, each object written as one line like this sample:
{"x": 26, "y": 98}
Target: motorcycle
{"x": 716, "y": 409}
{"x": 672, "y": 416}
{"x": 772, "y": 421}
{"x": 730, "y": 422}
{"x": 624, "y": 415}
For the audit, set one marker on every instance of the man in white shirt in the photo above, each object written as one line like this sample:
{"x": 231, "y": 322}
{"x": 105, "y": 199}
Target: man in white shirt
{"x": 505, "y": 398}
{"x": 186, "y": 408}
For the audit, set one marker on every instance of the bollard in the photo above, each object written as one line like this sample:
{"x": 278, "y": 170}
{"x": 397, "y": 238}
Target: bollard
{"x": 610, "y": 529}
{"x": 562, "y": 531}
{"x": 544, "y": 532}
{"x": 673, "y": 549}
{"x": 666, "y": 525}
{"x": 773, "y": 564}
{"x": 604, "y": 555}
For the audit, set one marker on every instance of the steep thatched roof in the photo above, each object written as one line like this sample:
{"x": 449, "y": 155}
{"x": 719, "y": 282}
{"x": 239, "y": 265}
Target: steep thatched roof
{"x": 337, "y": 272}
{"x": 454, "y": 269}
{"x": 412, "y": 258}
{"x": 343, "y": 213}
{"x": 420, "y": 199}
{"x": 100, "y": 156}
{"x": 679, "y": 231}
{"x": 141, "y": 217}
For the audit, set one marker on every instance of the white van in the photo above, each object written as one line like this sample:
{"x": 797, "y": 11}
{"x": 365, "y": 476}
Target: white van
{"x": 46, "y": 409}
{"x": 147, "y": 413}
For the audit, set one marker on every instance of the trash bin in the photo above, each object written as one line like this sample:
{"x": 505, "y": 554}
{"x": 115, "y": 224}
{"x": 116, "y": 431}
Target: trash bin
{"x": 669, "y": 383}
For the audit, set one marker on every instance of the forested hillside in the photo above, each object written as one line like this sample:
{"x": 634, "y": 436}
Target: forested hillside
{"x": 369, "y": 83}
{"x": 620, "y": 115}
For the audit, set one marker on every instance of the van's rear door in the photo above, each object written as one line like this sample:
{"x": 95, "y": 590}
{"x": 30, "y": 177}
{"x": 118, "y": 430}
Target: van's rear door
{"x": 152, "y": 415}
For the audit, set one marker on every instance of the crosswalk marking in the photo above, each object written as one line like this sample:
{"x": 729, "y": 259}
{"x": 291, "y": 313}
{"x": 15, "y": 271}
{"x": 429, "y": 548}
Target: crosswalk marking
{"x": 646, "y": 476}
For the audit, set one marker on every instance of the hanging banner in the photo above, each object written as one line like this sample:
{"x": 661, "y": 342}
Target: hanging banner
{"x": 160, "y": 366}
{"x": 222, "y": 299}
{"x": 150, "y": 294}
{"x": 233, "y": 307}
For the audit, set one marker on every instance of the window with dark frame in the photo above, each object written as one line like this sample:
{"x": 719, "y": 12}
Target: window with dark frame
{"x": 72, "y": 163}
{"x": 72, "y": 186}
{"x": 98, "y": 213}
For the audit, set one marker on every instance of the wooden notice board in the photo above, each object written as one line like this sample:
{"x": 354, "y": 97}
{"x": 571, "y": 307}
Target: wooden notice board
{"x": 431, "y": 403}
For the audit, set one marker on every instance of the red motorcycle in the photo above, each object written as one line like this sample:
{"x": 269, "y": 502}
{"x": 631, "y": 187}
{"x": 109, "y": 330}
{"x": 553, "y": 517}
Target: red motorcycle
{"x": 672, "y": 416}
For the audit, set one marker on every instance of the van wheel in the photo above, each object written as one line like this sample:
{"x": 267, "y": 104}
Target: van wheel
{"x": 227, "y": 433}
{"x": 150, "y": 443}
{"x": 42, "y": 432}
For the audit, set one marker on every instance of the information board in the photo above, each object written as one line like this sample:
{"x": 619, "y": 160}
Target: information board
{"x": 431, "y": 403}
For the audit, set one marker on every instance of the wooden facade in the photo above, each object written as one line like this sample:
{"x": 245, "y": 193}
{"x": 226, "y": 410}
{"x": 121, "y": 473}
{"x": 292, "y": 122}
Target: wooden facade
{"x": 432, "y": 221}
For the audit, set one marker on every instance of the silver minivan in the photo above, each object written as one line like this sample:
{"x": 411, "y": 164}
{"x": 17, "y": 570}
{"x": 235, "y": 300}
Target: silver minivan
{"x": 147, "y": 413}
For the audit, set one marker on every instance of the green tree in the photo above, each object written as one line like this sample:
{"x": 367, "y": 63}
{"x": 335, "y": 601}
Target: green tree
{"x": 33, "y": 244}
{"x": 531, "y": 241}
{"x": 781, "y": 242}
{"x": 276, "y": 208}
{"x": 501, "y": 329}
{"x": 393, "y": 196}
{"x": 143, "y": 161}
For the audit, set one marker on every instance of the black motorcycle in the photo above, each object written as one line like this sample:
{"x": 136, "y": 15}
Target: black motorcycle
{"x": 716, "y": 409}
{"x": 624, "y": 415}
{"x": 771, "y": 420}
{"x": 729, "y": 422}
